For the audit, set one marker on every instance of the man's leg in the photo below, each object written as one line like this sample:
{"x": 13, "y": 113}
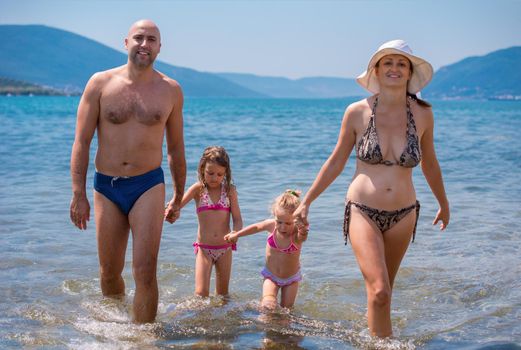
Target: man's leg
{"x": 112, "y": 230}
{"x": 146, "y": 223}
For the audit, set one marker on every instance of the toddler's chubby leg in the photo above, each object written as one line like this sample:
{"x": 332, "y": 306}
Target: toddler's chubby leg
{"x": 269, "y": 294}
{"x": 288, "y": 294}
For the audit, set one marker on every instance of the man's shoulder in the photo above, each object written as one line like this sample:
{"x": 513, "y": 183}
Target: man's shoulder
{"x": 103, "y": 77}
{"x": 172, "y": 83}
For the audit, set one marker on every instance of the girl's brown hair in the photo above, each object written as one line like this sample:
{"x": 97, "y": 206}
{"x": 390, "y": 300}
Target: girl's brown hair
{"x": 217, "y": 155}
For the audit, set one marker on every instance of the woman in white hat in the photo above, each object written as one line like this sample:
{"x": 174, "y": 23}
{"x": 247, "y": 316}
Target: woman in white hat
{"x": 392, "y": 132}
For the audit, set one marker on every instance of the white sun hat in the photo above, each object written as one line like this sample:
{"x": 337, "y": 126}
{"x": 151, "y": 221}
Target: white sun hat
{"x": 421, "y": 69}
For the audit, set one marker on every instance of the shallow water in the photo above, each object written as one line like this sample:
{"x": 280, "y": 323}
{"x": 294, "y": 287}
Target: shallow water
{"x": 458, "y": 289}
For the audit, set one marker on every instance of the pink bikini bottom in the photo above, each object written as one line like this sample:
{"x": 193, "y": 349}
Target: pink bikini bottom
{"x": 214, "y": 252}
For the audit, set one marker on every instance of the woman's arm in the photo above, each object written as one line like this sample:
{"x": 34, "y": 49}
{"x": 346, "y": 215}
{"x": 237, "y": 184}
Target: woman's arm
{"x": 432, "y": 172}
{"x": 333, "y": 165}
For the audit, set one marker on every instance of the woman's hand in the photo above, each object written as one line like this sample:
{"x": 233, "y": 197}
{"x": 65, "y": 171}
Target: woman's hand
{"x": 301, "y": 215}
{"x": 443, "y": 215}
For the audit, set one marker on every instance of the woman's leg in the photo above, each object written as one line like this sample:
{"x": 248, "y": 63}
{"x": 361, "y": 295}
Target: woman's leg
{"x": 368, "y": 245}
{"x": 396, "y": 242}
{"x": 223, "y": 269}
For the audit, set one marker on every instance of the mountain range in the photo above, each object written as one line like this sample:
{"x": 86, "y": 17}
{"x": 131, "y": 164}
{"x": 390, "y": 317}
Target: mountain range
{"x": 58, "y": 60}
{"x": 490, "y": 76}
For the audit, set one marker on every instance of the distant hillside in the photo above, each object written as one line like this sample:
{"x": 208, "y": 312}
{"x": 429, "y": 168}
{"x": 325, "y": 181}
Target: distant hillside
{"x": 495, "y": 75}
{"x": 55, "y": 59}
{"x": 64, "y": 60}
{"x": 318, "y": 87}
{"x": 17, "y": 87}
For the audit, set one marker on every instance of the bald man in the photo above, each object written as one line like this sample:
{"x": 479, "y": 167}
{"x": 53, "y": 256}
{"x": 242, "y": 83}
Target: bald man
{"x": 131, "y": 107}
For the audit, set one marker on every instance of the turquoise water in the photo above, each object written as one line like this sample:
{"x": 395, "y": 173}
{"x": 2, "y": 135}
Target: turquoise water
{"x": 457, "y": 289}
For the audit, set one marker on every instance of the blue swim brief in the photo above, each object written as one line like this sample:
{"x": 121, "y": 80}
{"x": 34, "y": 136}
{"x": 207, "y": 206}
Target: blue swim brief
{"x": 124, "y": 191}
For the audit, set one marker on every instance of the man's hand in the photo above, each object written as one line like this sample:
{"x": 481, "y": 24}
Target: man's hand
{"x": 80, "y": 211}
{"x": 172, "y": 212}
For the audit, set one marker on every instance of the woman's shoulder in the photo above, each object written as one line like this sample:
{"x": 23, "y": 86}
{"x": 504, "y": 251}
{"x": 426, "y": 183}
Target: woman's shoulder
{"x": 357, "y": 112}
{"x": 421, "y": 113}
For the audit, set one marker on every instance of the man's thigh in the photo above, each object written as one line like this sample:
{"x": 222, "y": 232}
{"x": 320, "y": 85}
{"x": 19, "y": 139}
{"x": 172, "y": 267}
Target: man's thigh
{"x": 112, "y": 229}
{"x": 146, "y": 223}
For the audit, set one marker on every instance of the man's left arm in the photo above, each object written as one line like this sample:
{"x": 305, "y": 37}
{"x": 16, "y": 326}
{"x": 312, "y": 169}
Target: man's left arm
{"x": 176, "y": 153}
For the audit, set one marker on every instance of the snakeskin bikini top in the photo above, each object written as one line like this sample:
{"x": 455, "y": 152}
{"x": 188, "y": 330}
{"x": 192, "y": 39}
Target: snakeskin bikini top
{"x": 368, "y": 150}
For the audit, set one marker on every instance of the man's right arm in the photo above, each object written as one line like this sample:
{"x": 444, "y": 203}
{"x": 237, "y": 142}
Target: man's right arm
{"x": 176, "y": 153}
{"x": 86, "y": 122}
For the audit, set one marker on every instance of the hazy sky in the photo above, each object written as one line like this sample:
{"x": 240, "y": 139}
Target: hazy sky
{"x": 286, "y": 38}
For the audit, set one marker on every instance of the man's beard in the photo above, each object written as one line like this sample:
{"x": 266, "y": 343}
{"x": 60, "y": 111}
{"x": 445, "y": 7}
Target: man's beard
{"x": 140, "y": 63}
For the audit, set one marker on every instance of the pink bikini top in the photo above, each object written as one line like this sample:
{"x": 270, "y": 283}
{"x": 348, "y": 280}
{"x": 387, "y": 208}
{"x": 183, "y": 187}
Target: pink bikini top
{"x": 205, "y": 203}
{"x": 291, "y": 248}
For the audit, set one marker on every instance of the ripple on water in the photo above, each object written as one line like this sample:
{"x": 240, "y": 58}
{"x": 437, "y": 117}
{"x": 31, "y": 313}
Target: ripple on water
{"x": 41, "y": 314}
{"x": 75, "y": 287}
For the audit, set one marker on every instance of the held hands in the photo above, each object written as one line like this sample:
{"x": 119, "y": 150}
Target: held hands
{"x": 172, "y": 211}
{"x": 443, "y": 215}
{"x": 80, "y": 211}
{"x": 301, "y": 215}
{"x": 231, "y": 237}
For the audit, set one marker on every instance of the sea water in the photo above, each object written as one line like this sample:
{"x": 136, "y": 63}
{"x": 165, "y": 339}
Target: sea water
{"x": 460, "y": 288}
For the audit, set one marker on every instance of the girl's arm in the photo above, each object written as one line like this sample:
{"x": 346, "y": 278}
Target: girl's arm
{"x": 235, "y": 209}
{"x": 266, "y": 225}
{"x": 192, "y": 192}
{"x": 432, "y": 172}
{"x": 302, "y": 233}
{"x": 333, "y": 165}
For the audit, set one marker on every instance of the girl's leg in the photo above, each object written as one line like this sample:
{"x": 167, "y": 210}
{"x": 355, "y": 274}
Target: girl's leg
{"x": 288, "y": 294}
{"x": 269, "y": 294}
{"x": 223, "y": 269}
{"x": 368, "y": 245}
{"x": 203, "y": 272}
{"x": 396, "y": 242}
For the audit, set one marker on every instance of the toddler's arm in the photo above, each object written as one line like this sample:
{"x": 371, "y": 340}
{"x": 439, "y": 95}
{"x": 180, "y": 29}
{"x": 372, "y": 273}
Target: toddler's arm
{"x": 302, "y": 232}
{"x": 265, "y": 225}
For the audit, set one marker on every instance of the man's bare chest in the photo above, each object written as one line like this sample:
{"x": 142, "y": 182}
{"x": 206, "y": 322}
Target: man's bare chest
{"x": 119, "y": 106}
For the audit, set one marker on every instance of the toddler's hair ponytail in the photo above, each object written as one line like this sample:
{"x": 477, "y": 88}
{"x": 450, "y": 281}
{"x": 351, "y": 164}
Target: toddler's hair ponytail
{"x": 289, "y": 201}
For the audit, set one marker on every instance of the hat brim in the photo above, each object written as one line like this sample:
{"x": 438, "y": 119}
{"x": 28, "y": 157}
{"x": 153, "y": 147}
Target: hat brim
{"x": 422, "y": 72}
